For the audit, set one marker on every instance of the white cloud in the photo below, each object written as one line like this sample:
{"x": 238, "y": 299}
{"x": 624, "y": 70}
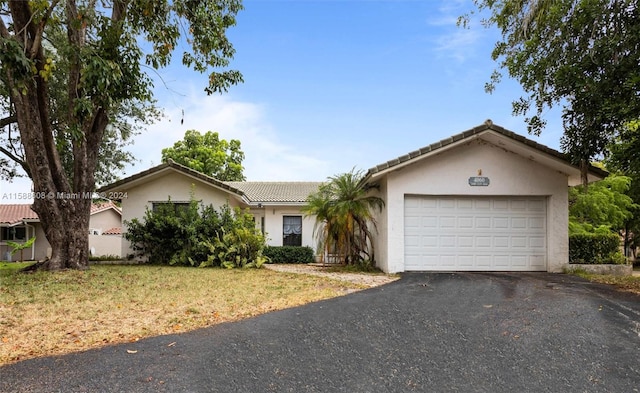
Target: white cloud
{"x": 267, "y": 157}
{"x": 455, "y": 42}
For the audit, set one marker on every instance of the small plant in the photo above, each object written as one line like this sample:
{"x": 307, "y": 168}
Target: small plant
{"x": 242, "y": 247}
{"x": 15, "y": 247}
{"x": 105, "y": 258}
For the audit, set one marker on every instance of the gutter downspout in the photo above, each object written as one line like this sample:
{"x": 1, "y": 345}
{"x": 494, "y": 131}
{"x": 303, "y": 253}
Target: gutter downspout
{"x": 33, "y": 246}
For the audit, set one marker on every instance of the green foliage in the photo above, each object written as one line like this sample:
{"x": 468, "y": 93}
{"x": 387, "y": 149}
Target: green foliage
{"x": 289, "y": 254}
{"x": 603, "y": 204}
{"x": 197, "y": 235}
{"x": 241, "y": 248}
{"x": 595, "y": 248}
{"x": 105, "y": 258}
{"x": 578, "y": 54}
{"x": 15, "y": 246}
{"x": 208, "y": 154}
{"x": 624, "y": 158}
{"x": 344, "y": 216}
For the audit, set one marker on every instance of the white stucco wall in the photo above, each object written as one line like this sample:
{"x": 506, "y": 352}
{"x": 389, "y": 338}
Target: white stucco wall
{"x": 172, "y": 185}
{"x": 103, "y": 245}
{"x": 448, "y": 174}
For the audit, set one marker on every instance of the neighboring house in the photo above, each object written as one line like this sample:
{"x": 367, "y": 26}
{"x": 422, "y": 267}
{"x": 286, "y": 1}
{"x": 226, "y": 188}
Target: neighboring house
{"x": 19, "y": 223}
{"x": 486, "y": 199}
{"x": 275, "y": 205}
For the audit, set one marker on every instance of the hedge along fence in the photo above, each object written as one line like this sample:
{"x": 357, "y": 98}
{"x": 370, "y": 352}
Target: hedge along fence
{"x": 289, "y": 254}
{"x": 595, "y": 248}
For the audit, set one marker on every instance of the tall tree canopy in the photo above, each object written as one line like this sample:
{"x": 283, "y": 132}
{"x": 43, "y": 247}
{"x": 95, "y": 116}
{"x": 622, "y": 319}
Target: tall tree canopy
{"x": 208, "y": 154}
{"x": 70, "y": 68}
{"x": 580, "y": 54}
{"x": 624, "y": 158}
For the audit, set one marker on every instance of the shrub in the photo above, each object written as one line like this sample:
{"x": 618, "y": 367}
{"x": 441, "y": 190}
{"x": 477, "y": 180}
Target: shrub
{"x": 595, "y": 248}
{"x": 242, "y": 247}
{"x": 191, "y": 235}
{"x": 289, "y": 254}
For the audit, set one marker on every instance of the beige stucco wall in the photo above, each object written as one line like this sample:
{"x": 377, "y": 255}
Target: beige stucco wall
{"x": 105, "y": 220}
{"x": 448, "y": 173}
{"x": 172, "y": 185}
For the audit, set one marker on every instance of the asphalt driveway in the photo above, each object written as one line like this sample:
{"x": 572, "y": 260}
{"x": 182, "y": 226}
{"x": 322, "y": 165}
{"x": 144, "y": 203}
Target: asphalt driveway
{"x": 462, "y": 332}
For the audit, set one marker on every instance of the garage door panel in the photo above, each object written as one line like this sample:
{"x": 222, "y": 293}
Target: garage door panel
{"x": 483, "y": 241}
{"x": 475, "y": 233}
{"x": 465, "y": 222}
{"x": 500, "y": 222}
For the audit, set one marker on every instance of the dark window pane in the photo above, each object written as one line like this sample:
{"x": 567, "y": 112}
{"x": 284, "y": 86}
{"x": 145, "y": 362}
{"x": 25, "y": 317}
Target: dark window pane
{"x": 292, "y": 230}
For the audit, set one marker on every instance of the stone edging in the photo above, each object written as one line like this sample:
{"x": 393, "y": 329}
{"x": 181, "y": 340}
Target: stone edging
{"x": 615, "y": 270}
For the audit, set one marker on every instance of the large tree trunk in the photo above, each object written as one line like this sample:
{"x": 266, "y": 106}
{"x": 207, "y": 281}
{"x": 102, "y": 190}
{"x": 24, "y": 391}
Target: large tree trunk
{"x": 584, "y": 173}
{"x": 62, "y": 203}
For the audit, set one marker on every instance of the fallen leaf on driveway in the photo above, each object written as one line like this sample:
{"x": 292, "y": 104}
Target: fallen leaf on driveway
{"x": 172, "y": 344}
{"x": 487, "y": 305}
{"x": 131, "y": 351}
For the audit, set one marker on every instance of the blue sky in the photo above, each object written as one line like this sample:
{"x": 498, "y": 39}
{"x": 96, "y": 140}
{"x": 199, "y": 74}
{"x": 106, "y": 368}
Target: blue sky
{"x": 332, "y": 85}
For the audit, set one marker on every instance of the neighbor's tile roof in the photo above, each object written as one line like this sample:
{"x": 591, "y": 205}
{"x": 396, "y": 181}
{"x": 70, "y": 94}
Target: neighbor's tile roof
{"x": 273, "y": 192}
{"x": 12, "y": 214}
{"x": 98, "y": 207}
{"x": 113, "y": 231}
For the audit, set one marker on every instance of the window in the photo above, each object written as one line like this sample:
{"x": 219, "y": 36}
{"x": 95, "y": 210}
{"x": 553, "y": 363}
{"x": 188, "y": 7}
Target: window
{"x": 13, "y": 233}
{"x": 292, "y": 230}
{"x": 177, "y": 207}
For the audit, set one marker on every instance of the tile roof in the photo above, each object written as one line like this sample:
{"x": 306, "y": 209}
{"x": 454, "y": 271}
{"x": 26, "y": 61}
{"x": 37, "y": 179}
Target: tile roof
{"x": 13, "y": 214}
{"x": 106, "y": 205}
{"x": 486, "y": 126}
{"x": 274, "y": 192}
{"x": 113, "y": 231}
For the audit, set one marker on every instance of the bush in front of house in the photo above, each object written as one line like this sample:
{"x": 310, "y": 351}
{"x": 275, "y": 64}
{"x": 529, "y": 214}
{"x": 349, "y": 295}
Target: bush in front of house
{"x": 289, "y": 254}
{"x": 197, "y": 235}
{"x": 595, "y": 248}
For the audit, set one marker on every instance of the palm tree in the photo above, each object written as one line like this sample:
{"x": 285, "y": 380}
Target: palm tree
{"x": 344, "y": 216}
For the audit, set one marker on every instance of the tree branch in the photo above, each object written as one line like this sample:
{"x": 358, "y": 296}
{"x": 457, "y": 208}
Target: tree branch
{"x": 40, "y": 32}
{"x": 3, "y": 29}
{"x": 17, "y": 160}
{"x": 8, "y": 120}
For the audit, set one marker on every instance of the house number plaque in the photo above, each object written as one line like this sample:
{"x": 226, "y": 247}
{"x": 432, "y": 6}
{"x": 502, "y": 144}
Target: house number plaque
{"x": 475, "y": 181}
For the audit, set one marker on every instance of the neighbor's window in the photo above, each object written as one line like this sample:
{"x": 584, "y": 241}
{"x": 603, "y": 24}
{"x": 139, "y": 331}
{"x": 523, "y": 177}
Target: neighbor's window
{"x": 13, "y": 233}
{"x": 292, "y": 230}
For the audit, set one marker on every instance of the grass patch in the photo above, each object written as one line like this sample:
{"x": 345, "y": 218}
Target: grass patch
{"x": 625, "y": 283}
{"x": 54, "y": 313}
{"x": 8, "y": 268}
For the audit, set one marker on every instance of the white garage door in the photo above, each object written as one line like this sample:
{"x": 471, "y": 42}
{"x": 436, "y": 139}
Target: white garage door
{"x": 475, "y": 233}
